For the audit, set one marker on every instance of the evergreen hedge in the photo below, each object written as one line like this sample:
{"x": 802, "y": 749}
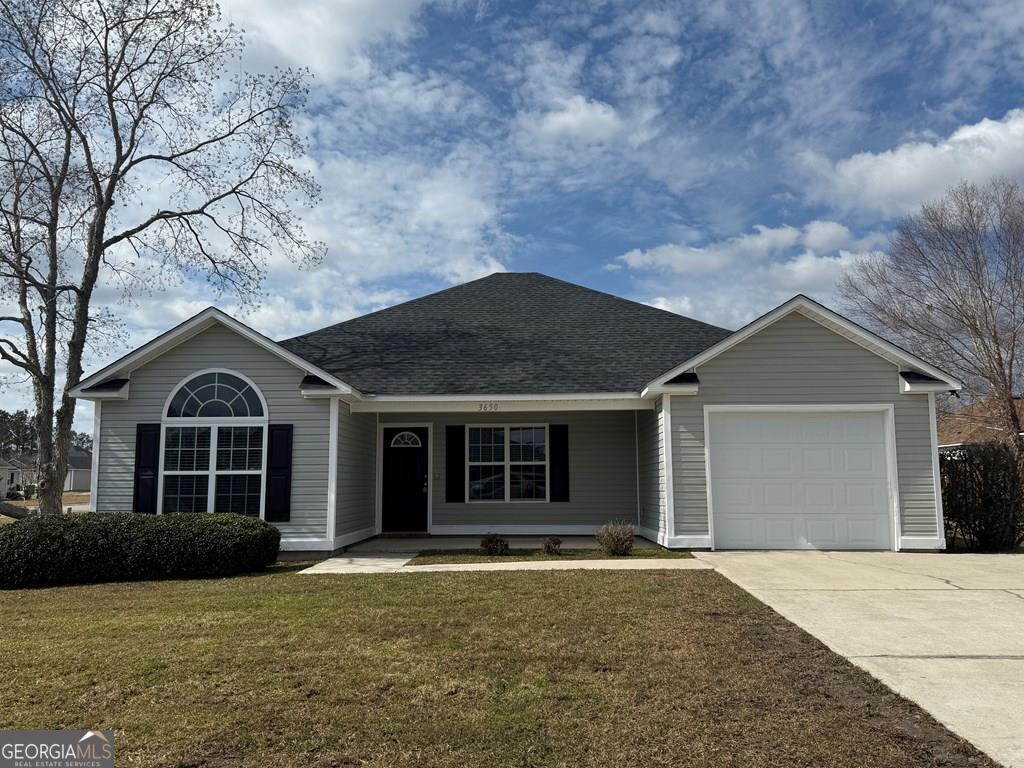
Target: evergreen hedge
{"x": 983, "y": 497}
{"x": 91, "y": 548}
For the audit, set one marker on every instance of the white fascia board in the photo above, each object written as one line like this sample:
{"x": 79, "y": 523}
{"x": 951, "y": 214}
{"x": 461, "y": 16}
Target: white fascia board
{"x": 670, "y": 389}
{"x": 114, "y": 394}
{"x": 820, "y": 313}
{"x": 324, "y": 392}
{"x": 192, "y": 327}
{"x": 921, "y": 388}
{"x": 502, "y": 403}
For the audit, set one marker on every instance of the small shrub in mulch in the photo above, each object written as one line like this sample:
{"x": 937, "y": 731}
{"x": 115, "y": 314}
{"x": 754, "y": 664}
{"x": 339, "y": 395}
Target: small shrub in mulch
{"x": 616, "y": 538}
{"x": 552, "y": 545}
{"x": 493, "y": 544}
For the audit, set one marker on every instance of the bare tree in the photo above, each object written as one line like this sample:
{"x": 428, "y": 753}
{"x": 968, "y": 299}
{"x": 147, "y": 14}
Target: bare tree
{"x": 130, "y": 156}
{"x": 952, "y": 289}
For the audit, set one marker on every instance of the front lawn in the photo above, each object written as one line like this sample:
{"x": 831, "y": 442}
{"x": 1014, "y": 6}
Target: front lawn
{"x": 68, "y": 498}
{"x": 441, "y": 556}
{"x": 571, "y": 668}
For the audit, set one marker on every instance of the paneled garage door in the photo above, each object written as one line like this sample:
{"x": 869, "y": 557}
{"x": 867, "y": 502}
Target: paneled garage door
{"x": 799, "y": 480}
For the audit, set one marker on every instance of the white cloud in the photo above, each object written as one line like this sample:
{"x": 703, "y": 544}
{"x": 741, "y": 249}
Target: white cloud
{"x": 732, "y": 281}
{"x": 332, "y": 39}
{"x": 826, "y": 235}
{"x": 897, "y": 181}
{"x": 577, "y": 118}
{"x": 681, "y": 305}
{"x": 750, "y": 247}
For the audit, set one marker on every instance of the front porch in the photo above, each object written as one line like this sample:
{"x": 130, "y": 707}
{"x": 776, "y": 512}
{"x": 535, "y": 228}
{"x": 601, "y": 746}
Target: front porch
{"x": 518, "y": 473}
{"x": 414, "y": 544}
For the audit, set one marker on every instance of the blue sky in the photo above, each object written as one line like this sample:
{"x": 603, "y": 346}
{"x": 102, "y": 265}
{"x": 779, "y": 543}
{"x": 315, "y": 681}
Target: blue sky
{"x": 713, "y": 158}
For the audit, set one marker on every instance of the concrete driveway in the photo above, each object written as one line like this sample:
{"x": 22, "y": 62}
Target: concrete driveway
{"x": 946, "y": 631}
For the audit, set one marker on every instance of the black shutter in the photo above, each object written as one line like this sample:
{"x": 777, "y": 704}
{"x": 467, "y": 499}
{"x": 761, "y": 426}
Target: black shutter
{"x": 558, "y": 461}
{"x": 278, "y": 508}
{"x": 147, "y": 467}
{"x": 455, "y": 463}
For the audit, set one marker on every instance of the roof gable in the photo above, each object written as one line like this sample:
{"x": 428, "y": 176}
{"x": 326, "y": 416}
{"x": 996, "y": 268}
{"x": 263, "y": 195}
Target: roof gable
{"x": 106, "y": 378}
{"x": 823, "y": 316}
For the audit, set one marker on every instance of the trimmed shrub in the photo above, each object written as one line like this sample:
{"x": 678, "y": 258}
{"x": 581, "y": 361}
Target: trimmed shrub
{"x": 983, "y": 497}
{"x": 552, "y": 545}
{"x": 92, "y": 548}
{"x": 493, "y": 544}
{"x": 616, "y": 538}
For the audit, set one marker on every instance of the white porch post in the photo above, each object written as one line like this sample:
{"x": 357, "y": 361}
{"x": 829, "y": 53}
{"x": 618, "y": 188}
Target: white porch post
{"x": 670, "y": 494}
{"x": 332, "y": 473}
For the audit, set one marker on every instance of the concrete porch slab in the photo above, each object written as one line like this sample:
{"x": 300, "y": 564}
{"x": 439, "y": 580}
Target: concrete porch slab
{"x": 422, "y": 543}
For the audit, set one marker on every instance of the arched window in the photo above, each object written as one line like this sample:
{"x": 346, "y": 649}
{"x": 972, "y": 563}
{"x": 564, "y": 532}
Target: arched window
{"x": 216, "y": 394}
{"x": 214, "y": 446}
{"x": 406, "y": 440}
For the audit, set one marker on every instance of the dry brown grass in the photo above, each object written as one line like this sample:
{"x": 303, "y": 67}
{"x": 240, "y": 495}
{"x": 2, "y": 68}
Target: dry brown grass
{"x": 69, "y": 498}
{"x": 438, "y": 556}
{"x": 653, "y": 668}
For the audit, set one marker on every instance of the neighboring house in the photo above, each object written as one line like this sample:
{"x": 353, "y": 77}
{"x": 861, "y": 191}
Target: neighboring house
{"x": 8, "y": 475}
{"x": 79, "y": 475}
{"x": 22, "y": 470}
{"x": 522, "y": 404}
{"x": 977, "y": 422}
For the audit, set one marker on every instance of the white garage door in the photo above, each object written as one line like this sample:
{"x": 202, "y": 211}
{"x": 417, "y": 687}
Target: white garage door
{"x": 799, "y": 480}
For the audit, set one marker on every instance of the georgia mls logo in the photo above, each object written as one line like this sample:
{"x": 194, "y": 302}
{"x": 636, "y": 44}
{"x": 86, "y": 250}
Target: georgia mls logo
{"x": 57, "y": 749}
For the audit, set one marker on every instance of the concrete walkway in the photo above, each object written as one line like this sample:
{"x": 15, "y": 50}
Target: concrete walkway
{"x": 946, "y": 631}
{"x": 397, "y": 564}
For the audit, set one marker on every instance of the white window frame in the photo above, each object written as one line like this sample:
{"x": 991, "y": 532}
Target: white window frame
{"x": 213, "y": 424}
{"x": 508, "y": 464}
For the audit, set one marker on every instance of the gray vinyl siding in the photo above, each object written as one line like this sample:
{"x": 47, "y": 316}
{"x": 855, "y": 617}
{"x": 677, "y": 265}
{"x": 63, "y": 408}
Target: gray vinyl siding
{"x": 357, "y": 471}
{"x": 219, "y": 347}
{"x": 798, "y": 361}
{"x": 651, "y": 458}
{"x": 602, "y": 470}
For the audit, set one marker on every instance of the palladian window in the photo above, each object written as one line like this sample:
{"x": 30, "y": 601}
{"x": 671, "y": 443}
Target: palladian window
{"x": 214, "y": 446}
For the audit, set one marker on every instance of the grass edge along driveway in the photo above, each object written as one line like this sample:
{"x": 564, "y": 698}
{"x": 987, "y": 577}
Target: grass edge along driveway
{"x": 631, "y": 668}
{"x": 446, "y": 556}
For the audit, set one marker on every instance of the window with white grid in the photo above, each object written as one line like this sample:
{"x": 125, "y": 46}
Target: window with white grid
{"x": 214, "y": 446}
{"x": 506, "y": 462}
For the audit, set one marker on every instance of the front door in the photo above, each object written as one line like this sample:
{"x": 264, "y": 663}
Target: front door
{"x": 406, "y": 481}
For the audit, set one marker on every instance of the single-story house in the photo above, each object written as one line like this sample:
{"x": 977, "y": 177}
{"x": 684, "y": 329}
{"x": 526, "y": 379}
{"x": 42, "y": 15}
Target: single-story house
{"x": 8, "y": 476}
{"x": 976, "y": 422}
{"x": 79, "y": 474}
{"x": 21, "y": 471}
{"x": 522, "y": 404}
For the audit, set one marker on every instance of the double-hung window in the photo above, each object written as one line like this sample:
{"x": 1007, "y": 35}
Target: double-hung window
{"x": 214, "y": 446}
{"x": 507, "y": 462}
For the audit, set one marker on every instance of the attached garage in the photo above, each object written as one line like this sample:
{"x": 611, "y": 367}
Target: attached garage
{"x": 800, "y": 477}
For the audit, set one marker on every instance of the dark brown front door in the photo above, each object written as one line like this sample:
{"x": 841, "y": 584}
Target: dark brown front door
{"x": 406, "y": 482}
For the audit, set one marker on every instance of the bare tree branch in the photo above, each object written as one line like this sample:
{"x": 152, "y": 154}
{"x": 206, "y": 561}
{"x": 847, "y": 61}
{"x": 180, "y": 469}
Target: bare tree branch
{"x": 952, "y": 288}
{"x": 108, "y": 102}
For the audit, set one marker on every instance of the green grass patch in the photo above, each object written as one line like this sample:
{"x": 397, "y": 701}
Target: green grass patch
{"x": 569, "y": 668}
{"x": 444, "y": 556}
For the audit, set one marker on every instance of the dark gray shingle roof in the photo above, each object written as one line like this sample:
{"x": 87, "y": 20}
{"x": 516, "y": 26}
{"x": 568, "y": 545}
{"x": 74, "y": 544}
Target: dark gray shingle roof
{"x": 508, "y": 333}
